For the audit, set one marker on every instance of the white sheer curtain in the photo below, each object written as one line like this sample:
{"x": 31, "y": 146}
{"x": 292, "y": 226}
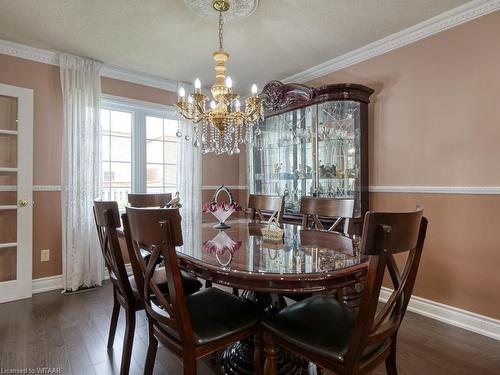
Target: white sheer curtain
{"x": 189, "y": 185}
{"x": 83, "y": 265}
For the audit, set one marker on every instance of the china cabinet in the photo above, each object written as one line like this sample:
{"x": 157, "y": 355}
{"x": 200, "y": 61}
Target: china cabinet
{"x": 312, "y": 142}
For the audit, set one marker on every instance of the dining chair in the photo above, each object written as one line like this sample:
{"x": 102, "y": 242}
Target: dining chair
{"x": 191, "y": 326}
{"x": 332, "y": 335}
{"x": 127, "y": 293}
{"x": 139, "y": 259}
{"x": 149, "y": 200}
{"x": 342, "y": 210}
{"x": 107, "y": 219}
{"x": 272, "y": 203}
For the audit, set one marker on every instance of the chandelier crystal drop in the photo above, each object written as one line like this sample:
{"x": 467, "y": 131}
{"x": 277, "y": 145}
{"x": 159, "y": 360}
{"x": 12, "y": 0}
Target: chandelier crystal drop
{"x": 220, "y": 125}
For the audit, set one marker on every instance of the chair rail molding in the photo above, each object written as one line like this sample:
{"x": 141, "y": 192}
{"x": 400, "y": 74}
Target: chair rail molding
{"x": 472, "y": 190}
{"x": 454, "y": 316}
{"x": 50, "y": 57}
{"x": 434, "y": 25}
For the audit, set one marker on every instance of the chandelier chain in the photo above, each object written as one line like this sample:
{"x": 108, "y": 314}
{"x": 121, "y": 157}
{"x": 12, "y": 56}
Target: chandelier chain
{"x": 221, "y": 31}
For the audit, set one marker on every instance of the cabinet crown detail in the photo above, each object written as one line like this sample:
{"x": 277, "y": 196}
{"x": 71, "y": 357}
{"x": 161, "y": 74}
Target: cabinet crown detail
{"x": 278, "y": 97}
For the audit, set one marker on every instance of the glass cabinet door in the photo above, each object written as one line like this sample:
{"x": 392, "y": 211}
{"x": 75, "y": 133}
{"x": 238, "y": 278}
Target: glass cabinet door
{"x": 282, "y": 157}
{"x": 338, "y": 151}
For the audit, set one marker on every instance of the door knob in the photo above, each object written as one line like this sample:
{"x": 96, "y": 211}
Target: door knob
{"x": 22, "y": 203}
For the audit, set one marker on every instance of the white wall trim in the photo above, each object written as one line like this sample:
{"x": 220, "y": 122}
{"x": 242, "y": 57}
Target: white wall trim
{"x": 434, "y": 25}
{"x": 50, "y": 57}
{"x": 473, "y": 190}
{"x": 451, "y": 315}
{"x": 46, "y": 284}
{"x": 215, "y": 187}
{"x": 28, "y": 53}
{"x": 121, "y": 102}
{"x": 47, "y": 188}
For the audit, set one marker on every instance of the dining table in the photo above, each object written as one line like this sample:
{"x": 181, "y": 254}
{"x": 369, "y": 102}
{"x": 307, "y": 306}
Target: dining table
{"x": 302, "y": 261}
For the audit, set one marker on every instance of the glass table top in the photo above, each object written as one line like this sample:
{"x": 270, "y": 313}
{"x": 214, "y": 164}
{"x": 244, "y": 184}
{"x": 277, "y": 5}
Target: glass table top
{"x": 242, "y": 248}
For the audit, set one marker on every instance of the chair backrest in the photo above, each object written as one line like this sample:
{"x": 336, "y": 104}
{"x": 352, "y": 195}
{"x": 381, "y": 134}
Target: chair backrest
{"x": 386, "y": 234}
{"x": 159, "y": 231}
{"x": 340, "y": 209}
{"x": 272, "y": 203}
{"x": 149, "y": 200}
{"x": 107, "y": 219}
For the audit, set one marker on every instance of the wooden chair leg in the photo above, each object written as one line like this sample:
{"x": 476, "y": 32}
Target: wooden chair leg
{"x": 128, "y": 340}
{"x": 270, "y": 350}
{"x": 114, "y": 321}
{"x": 236, "y": 292}
{"x": 208, "y": 284}
{"x": 151, "y": 355}
{"x": 189, "y": 365}
{"x": 257, "y": 355}
{"x": 390, "y": 362}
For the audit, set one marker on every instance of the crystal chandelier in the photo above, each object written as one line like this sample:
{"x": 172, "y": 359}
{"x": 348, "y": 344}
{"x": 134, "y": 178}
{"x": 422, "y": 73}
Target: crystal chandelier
{"x": 222, "y": 125}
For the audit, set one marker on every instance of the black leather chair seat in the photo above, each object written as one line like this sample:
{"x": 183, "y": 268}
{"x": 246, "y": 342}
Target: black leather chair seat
{"x": 190, "y": 283}
{"x": 216, "y": 314}
{"x": 319, "y": 324}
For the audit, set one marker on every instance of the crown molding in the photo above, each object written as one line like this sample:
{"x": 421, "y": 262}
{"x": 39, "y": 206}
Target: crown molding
{"x": 138, "y": 78}
{"x": 434, "y": 25}
{"x": 29, "y": 53}
{"x": 50, "y": 57}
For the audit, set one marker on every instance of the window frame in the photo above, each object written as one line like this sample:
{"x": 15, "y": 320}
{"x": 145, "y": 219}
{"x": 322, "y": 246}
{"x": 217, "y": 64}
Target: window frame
{"x": 139, "y": 110}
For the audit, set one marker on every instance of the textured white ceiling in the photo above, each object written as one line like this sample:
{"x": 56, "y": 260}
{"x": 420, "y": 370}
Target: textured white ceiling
{"x": 163, "y": 37}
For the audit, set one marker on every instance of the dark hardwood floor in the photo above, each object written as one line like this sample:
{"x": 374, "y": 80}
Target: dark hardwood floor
{"x": 69, "y": 332}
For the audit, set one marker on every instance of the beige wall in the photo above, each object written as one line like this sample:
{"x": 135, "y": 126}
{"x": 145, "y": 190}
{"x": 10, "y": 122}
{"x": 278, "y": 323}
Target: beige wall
{"x": 47, "y": 128}
{"x": 435, "y": 121}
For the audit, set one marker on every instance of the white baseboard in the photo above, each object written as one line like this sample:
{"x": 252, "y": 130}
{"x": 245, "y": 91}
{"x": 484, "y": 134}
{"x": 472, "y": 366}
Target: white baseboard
{"x": 451, "y": 315}
{"x": 46, "y": 284}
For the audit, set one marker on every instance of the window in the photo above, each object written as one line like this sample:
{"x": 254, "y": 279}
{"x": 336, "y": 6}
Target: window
{"x": 139, "y": 149}
{"x": 161, "y": 155}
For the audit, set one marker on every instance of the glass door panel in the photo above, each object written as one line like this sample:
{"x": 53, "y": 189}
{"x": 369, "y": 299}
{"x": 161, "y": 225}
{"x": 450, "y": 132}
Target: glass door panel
{"x": 282, "y": 157}
{"x": 8, "y": 188}
{"x": 338, "y": 151}
{"x": 15, "y": 192}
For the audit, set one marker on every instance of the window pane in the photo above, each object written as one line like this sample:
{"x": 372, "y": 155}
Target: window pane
{"x": 121, "y": 123}
{"x": 106, "y": 175}
{"x": 170, "y": 175}
{"x": 104, "y": 119}
{"x": 119, "y": 174}
{"x": 154, "y": 151}
{"x": 155, "y": 175}
{"x": 154, "y": 128}
{"x": 171, "y": 127}
{"x": 121, "y": 149}
{"x": 105, "y": 148}
{"x": 120, "y": 195}
{"x": 170, "y": 152}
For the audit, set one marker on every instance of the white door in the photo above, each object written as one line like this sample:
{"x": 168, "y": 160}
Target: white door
{"x": 16, "y": 201}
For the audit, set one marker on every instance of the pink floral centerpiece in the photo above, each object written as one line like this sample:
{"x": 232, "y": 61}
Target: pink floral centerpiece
{"x": 221, "y": 210}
